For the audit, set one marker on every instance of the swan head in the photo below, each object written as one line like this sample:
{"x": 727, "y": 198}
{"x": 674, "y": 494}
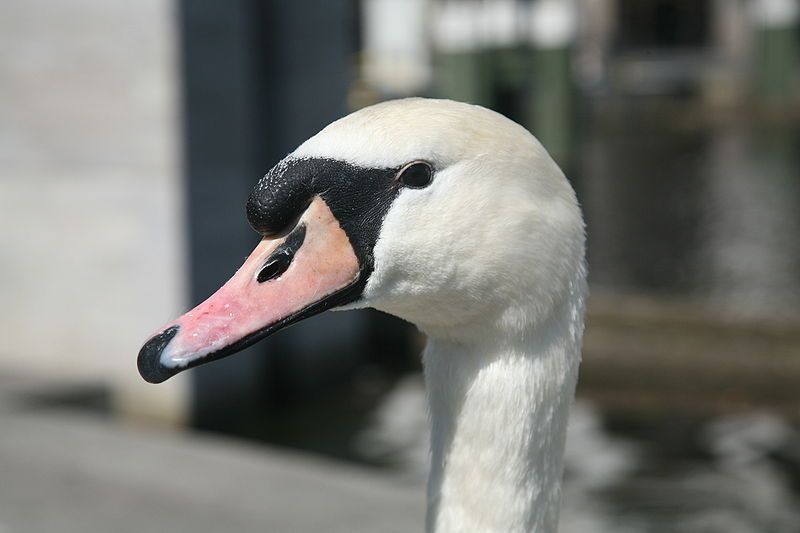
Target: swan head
{"x": 445, "y": 214}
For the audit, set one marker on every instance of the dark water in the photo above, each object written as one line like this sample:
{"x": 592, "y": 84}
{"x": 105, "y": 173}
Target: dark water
{"x": 706, "y": 209}
{"x": 731, "y": 474}
{"x": 736, "y": 473}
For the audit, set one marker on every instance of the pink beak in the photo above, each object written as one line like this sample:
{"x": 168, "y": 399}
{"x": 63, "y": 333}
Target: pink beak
{"x": 284, "y": 280}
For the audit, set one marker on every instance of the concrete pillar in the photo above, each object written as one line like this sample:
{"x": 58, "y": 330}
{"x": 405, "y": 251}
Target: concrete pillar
{"x": 90, "y": 241}
{"x": 396, "y": 53}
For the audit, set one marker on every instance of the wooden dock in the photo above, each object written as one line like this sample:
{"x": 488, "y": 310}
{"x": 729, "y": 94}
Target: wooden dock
{"x": 678, "y": 357}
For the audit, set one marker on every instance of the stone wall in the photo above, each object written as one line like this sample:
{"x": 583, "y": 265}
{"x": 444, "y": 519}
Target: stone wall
{"x": 91, "y": 247}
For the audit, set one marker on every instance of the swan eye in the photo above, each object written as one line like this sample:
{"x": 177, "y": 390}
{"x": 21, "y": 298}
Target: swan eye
{"x": 417, "y": 175}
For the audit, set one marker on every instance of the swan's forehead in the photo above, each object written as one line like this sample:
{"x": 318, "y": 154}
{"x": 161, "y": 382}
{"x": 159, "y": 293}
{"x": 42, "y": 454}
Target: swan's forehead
{"x": 393, "y": 133}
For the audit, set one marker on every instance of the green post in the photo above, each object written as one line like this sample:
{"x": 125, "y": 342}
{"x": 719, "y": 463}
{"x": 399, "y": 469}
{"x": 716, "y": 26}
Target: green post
{"x": 776, "y": 51}
{"x": 512, "y": 65}
{"x": 465, "y": 76}
{"x": 462, "y": 68}
{"x": 550, "y": 107}
{"x": 550, "y": 99}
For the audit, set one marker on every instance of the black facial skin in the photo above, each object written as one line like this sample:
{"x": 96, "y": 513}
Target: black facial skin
{"x": 358, "y": 197}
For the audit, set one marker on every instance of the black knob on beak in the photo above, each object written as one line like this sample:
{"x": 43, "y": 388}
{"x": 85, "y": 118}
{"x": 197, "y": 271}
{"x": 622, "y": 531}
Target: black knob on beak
{"x": 149, "y": 360}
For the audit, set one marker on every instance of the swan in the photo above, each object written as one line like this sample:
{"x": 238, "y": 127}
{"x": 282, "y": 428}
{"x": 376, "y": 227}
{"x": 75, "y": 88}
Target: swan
{"x": 454, "y": 218}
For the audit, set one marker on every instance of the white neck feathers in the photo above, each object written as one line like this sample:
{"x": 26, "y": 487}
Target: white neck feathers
{"x": 499, "y": 413}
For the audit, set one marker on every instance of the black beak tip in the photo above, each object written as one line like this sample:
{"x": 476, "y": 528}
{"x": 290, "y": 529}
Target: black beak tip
{"x": 149, "y": 360}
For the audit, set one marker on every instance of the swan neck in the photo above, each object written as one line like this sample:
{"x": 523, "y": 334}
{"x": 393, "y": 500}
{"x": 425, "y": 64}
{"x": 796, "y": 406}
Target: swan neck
{"x": 499, "y": 411}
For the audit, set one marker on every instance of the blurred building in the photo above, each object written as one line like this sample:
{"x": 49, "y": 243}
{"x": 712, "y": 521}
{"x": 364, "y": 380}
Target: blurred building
{"x": 132, "y": 133}
{"x": 710, "y": 47}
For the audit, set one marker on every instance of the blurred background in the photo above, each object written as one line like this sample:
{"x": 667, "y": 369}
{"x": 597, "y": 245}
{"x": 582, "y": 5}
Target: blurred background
{"x": 132, "y": 132}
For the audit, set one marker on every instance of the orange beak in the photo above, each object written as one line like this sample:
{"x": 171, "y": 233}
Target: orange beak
{"x": 283, "y": 281}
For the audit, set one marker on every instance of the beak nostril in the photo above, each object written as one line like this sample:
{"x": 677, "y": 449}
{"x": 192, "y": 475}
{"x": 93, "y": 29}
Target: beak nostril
{"x": 275, "y": 265}
{"x": 281, "y": 258}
